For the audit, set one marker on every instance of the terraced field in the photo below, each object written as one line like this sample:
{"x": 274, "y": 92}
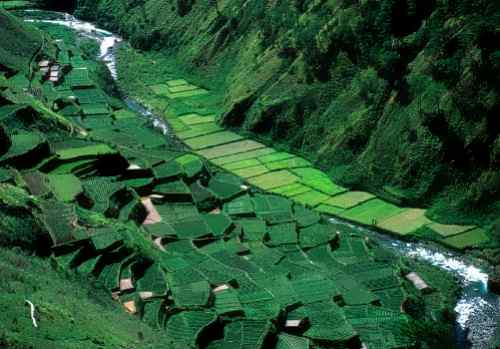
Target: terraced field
{"x": 187, "y": 247}
{"x": 294, "y": 177}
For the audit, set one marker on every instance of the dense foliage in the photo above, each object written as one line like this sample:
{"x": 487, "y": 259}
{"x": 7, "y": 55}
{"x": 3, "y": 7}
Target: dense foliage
{"x": 395, "y": 96}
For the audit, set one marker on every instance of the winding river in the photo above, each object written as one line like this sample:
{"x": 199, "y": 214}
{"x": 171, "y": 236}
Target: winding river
{"x": 478, "y": 310}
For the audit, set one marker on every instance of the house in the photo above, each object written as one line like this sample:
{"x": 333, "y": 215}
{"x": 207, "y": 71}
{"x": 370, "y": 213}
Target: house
{"x": 418, "y": 282}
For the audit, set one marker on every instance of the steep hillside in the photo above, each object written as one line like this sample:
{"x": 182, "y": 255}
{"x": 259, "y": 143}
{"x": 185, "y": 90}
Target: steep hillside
{"x": 397, "y": 96}
{"x": 20, "y": 43}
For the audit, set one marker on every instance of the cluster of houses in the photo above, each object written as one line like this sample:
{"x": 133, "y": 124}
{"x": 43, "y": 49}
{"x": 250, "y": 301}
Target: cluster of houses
{"x": 51, "y": 71}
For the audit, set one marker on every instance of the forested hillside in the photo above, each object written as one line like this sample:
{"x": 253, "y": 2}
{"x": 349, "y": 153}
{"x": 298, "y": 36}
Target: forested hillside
{"x": 400, "y": 97}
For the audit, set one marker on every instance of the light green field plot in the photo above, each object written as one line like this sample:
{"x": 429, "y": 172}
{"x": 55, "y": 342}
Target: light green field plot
{"x": 291, "y": 189}
{"x": 372, "y": 212}
{"x": 331, "y": 210}
{"x": 311, "y": 198}
{"x": 177, "y": 125}
{"x": 470, "y": 238}
{"x": 449, "y": 230}
{"x": 253, "y": 154}
{"x": 160, "y": 89}
{"x": 182, "y": 88}
{"x": 199, "y": 130}
{"x": 23, "y": 143}
{"x": 294, "y": 162}
{"x": 212, "y": 140}
{"x": 124, "y": 114}
{"x": 195, "y": 119}
{"x": 349, "y": 199}
{"x": 178, "y": 82}
{"x": 316, "y": 179}
{"x": 251, "y": 171}
{"x": 187, "y": 94}
{"x": 65, "y": 186}
{"x": 230, "y": 149}
{"x": 274, "y": 179}
{"x": 191, "y": 164}
{"x": 90, "y": 150}
{"x": 406, "y": 222}
{"x": 278, "y": 156}
{"x": 241, "y": 164}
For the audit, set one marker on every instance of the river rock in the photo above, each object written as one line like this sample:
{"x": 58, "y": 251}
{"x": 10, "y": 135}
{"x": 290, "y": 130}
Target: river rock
{"x": 494, "y": 282}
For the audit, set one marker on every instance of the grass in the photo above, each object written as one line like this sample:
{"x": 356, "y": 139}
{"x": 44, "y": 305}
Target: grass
{"x": 71, "y": 312}
{"x": 446, "y": 230}
{"x": 230, "y": 149}
{"x": 241, "y": 164}
{"x": 212, "y": 140}
{"x": 405, "y": 223}
{"x": 371, "y": 212}
{"x": 195, "y": 119}
{"x": 318, "y": 180}
{"x": 349, "y": 199}
{"x": 199, "y": 130}
{"x": 249, "y": 172}
{"x": 274, "y": 180}
{"x": 311, "y": 198}
{"x": 93, "y": 150}
{"x": 253, "y": 154}
{"x": 291, "y": 189}
{"x": 469, "y": 239}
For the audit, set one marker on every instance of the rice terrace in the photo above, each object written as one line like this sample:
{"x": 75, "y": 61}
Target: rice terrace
{"x": 265, "y": 174}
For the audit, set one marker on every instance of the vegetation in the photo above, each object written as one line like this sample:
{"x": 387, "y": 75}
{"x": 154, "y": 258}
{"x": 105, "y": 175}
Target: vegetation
{"x": 395, "y": 97}
{"x": 109, "y": 212}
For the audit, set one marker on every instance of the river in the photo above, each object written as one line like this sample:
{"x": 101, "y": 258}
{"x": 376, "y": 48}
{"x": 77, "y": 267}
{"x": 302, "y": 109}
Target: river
{"x": 478, "y": 310}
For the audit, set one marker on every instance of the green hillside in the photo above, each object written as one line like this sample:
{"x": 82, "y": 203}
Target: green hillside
{"x": 123, "y": 238}
{"x": 20, "y": 43}
{"x": 397, "y": 97}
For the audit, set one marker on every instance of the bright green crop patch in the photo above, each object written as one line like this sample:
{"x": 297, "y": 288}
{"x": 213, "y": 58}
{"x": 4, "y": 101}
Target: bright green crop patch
{"x": 194, "y": 119}
{"x": 275, "y": 157}
{"x": 349, "y": 199}
{"x": 124, "y": 114}
{"x": 331, "y": 210}
{"x": 372, "y": 212}
{"x": 291, "y": 189}
{"x": 251, "y": 171}
{"x": 90, "y": 150}
{"x": 212, "y": 140}
{"x": 177, "y": 125}
{"x": 449, "y": 230}
{"x": 187, "y": 94}
{"x": 316, "y": 179}
{"x": 468, "y": 239}
{"x": 230, "y": 149}
{"x": 311, "y": 198}
{"x": 253, "y": 154}
{"x": 406, "y": 222}
{"x": 178, "y": 82}
{"x": 294, "y": 162}
{"x": 160, "y": 89}
{"x": 66, "y": 186}
{"x": 241, "y": 164}
{"x": 199, "y": 130}
{"x": 182, "y": 88}
{"x": 274, "y": 179}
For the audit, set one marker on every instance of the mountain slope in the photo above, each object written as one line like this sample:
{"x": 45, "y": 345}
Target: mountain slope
{"x": 393, "y": 96}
